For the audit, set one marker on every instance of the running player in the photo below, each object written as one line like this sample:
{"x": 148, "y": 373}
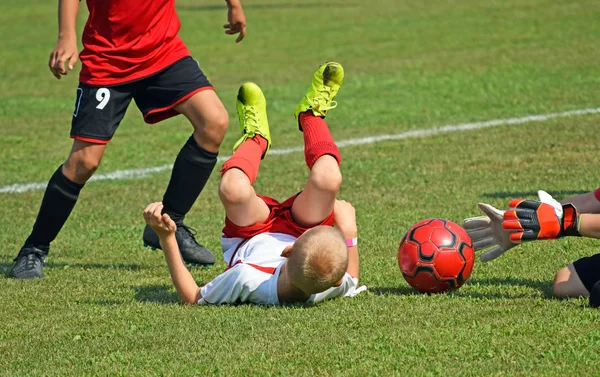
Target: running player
{"x": 131, "y": 51}
{"x": 277, "y": 252}
{"x": 546, "y": 219}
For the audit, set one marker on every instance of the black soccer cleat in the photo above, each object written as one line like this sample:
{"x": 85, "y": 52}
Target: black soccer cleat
{"x": 29, "y": 262}
{"x": 191, "y": 251}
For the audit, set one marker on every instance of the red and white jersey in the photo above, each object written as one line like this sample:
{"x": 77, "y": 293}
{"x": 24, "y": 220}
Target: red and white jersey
{"x": 126, "y": 40}
{"x": 254, "y": 267}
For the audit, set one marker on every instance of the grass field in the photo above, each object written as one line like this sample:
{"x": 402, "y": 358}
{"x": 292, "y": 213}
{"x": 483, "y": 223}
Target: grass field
{"x": 107, "y": 306}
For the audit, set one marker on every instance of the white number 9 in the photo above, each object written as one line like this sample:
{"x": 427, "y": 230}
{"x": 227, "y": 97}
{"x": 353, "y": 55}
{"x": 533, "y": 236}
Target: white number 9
{"x": 102, "y": 96}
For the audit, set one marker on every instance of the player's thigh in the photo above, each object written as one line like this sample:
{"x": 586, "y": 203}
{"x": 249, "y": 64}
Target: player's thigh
{"x": 568, "y": 284}
{"x": 205, "y": 111}
{"x": 579, "y": 278}
{"x": 312, "y": 207}
{"x": 315, "y": 203}
{"x": 97, "y": 115}
{"x": 242, "y": 206}
{"x": 182, "y": 88}
{"x": 254, "y": 211}
{"x": 99, "y": 111}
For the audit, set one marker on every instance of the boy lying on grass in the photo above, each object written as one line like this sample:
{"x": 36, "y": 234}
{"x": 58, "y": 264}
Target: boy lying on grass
{"x": 277, "y": 252}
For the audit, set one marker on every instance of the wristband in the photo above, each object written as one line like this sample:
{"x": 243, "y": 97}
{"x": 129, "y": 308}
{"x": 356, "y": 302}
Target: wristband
{"x": 352, "y": 242}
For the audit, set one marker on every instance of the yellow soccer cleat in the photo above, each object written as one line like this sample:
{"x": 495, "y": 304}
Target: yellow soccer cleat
{"x": 252, "y": 113}
{"x": 319, "y": 97}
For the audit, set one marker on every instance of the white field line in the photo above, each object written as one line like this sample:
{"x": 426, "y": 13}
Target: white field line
{"x": 143, "y": 172}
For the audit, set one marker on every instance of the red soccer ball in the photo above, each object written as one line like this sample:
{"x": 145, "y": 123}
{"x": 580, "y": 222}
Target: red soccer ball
{"x": 436, "y": 255}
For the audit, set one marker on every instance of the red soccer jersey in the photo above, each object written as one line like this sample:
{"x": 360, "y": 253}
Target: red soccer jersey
{"x": 126, "y": 40}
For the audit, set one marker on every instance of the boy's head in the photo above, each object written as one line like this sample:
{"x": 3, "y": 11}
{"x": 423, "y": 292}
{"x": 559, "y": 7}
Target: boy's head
{"x": 317, "y": 260}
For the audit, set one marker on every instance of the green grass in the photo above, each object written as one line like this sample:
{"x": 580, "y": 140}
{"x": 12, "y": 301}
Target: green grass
{"x": 107, "y": 306}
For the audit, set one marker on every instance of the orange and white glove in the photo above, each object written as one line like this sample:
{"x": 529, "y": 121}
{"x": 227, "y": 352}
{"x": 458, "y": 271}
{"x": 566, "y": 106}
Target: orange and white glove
{"x": 546, "y": 219}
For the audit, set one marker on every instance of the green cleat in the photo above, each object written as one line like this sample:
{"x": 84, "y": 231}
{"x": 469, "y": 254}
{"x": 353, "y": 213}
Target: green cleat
{"x": 319, "y": 97}
{"x": 252, "y": 113}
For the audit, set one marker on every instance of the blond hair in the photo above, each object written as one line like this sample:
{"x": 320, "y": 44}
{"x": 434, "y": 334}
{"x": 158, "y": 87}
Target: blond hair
{"x": 319, "y": 259}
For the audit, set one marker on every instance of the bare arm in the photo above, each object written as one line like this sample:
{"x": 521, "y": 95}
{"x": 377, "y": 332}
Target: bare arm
{"x": 66, "y": 47}
{"x": 589, "y": 225}
{"x": 163, "y": 225}
{"x": 186, "y": 286}
{"x": 585, "y": 203}
{"x": 345, "y": 221}
{"x": 67, "y": 18}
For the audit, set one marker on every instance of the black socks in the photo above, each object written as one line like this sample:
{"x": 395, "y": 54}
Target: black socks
{"x": 191, "y": 171}
{"x": 59, "y": 199}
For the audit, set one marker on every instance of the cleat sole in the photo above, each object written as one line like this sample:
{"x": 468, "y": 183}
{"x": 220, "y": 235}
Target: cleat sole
{"x": 199, "y": 264}
{"x": 150, "y": 246}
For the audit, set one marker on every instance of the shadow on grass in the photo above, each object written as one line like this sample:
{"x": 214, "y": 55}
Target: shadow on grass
{"x": 393, "y": 291}
{"x": 162, "y": 294}
{"x": 294, "y": 5}
{"x": 5, "y": 267}
{"x": 528, "y": 194}
{"x": 543, "y": 287}
{"x": 159, "y": 293}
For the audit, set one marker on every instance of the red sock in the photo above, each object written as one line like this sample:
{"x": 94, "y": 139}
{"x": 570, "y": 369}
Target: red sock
{"x": 597, "y": 194}
{"x": 247, "y": 157}
{"x": 317, "y": 139}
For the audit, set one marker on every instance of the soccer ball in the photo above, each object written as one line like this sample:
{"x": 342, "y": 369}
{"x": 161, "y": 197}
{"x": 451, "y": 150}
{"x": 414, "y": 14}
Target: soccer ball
{"x": 436, "y": 255}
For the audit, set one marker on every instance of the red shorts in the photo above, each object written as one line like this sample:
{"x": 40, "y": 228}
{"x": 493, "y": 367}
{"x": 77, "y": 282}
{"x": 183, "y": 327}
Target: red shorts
{"x": 280, "y": 220}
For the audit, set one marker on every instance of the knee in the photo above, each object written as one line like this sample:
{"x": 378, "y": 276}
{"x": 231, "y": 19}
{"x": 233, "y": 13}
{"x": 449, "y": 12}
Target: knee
{"x": 213, "y": 129}
{"x": 560, "y": 281}
{"x": 326, "y": 177}
{"x": 234, "y": 188}
{"x": 568, "y": 284}
{"x": 80, "y": 167}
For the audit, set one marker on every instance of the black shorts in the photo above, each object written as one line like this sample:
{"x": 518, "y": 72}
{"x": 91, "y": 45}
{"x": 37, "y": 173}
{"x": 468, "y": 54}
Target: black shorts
{"x": 100, "y": 109}
{"x": 588, "y": 270}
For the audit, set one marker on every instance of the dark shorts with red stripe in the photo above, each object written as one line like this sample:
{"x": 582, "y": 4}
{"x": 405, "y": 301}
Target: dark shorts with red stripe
{"x": 100, "y": 109}
{"x": 588, "y": 270}
{"x": 280, "y": 220}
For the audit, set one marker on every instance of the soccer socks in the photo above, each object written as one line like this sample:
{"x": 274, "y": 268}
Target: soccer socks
{"x": 317, "y": 139}
{"x": 191, "y": 171}
{"x": 247, "y": 157}
{"x": 59, "y": 199}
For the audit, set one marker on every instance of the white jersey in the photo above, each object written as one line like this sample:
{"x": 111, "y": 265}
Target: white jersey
{"x": 254, "y": 267}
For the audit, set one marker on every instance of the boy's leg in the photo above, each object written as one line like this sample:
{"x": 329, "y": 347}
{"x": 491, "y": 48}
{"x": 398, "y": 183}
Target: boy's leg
{"x": 568, "y": 284}
{"x": 242, "y": 206}
{"x": 315, "y": 203}
{"x": 94, "y": 123}
{"x": 198, "y": 157}
{"x": 182, "y": 88}
{"x": 579, "y": 278}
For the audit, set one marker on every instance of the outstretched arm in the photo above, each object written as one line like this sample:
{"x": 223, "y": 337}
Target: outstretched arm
{"x": 530, "y": 220}
{"x": 345, "y": 221}
{"x": 585, "y": 203}
{"x": 589, "y": 225}
{"x": 163, "y": 225}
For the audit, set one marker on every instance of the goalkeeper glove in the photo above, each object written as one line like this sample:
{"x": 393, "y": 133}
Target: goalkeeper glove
{"x": 547, "y": 219}
{"x": 487, "y": 232}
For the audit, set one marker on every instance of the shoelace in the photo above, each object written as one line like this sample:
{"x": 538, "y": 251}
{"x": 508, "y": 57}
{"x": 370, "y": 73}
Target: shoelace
{"x": 190, "y": 231}
{"x": 33, "y": 259}
{"x": 320, "y": 101}
{"x": 250, "y": 121}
